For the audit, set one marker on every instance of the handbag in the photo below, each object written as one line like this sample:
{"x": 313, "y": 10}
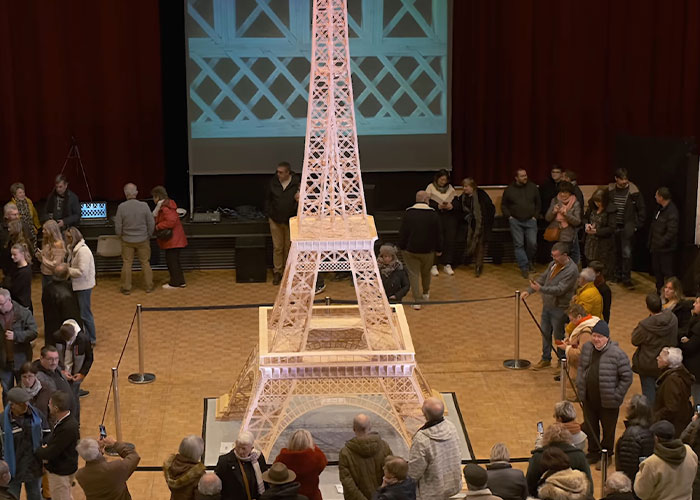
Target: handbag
{"x": 553, "y": 232}
{"x": 164, "y": 234}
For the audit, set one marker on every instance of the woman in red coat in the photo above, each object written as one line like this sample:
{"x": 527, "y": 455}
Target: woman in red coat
{"x": 306, "y": 460}
{"x": 170, "y": 234}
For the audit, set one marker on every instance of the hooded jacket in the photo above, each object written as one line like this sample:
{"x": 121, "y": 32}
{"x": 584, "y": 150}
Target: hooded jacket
{"x": 691, "y": 437}
{"x": 404, "y": 490}
{"x": 580, "y": 335}
{"x": 672, "y": 400}
{"x": 577, "y": 458}
{"x": 82, "y": 267}
{"x": 287, "y": 491}
{"x": 636, "y": 442}
{"x": 651, "y": 335}
{"x": 168, "y": 218}
{"x": 308, "y": 465}
{"x": 614, "y": 375}
{"x": 360, "y": 466}
{"x": 668, "y": 474}
{"x": 590, "y": 298}
{"x": 182, "y": 476}
{"x": 435, "y": 461}
{"x": 567, "y": 484}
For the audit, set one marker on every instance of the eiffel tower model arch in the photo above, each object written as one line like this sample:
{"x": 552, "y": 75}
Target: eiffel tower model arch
{"x": 310, "y": 356}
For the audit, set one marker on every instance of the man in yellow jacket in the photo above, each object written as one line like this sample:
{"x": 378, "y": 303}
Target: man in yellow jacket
{"x": 587, "y": 295}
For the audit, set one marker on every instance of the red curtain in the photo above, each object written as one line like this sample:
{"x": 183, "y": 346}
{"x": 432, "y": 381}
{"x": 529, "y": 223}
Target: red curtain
{"x": 89, "y": 69}
{"x": 538, "y": 82}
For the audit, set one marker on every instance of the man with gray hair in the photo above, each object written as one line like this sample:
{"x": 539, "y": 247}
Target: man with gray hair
{"x": 134, "y": 223}
{"x": 420, "y": 240}
{"x": 100, "y": 478}
{"x": 244, "y": 458}
{"x": 4, "y": 481}
{"x": 672, "y": 401}
{"x": 618, "y": 487}
{"x": 503, "y": 480}
{"x": 361, "y": 461}
{"x": 587, "y": 294}
{"x": 209, "y": 487}
{"x": 435, "y": 460}
{"x": 565, "y": 414}
{"x": 183, "y": 470}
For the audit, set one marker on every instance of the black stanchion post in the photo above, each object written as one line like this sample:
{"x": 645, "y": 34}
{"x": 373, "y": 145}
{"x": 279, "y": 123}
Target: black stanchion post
{"x": 140, "y": 377}
{"x": 516, "y": 363}
{"x": 604, "y": 471}
{"x": 563, "y": 378}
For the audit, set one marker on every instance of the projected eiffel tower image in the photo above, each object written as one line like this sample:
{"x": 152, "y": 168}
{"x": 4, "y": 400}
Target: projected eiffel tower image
{"x": 310, "y": 356}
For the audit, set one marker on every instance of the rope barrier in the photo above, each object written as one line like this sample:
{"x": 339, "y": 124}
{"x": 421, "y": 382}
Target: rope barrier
{"x": 121, "y": 355}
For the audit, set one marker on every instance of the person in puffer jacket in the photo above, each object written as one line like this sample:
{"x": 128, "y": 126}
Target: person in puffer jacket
{"x": 637, "y": 442}
{"x": 604, "y": 376}
{"x": 568, "y": 484}
{"x": 434, "y": 461}
{"x": 184, "y": 470}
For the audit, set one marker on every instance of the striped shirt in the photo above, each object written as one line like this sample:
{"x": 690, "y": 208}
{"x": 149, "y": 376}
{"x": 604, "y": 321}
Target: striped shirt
{"x": 620, "y": 200}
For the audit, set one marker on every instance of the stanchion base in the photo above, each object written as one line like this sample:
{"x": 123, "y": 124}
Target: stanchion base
{"x": 516, "y": 364}
{"x": 141, "y": 378}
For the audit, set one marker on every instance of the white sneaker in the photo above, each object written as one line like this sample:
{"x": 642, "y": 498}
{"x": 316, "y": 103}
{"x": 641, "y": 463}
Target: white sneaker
{"x": 448, "y": 270}
{"x": 416, "y": 307}
{"x": 426, "y": 296}
{"x": 434, "y": 271}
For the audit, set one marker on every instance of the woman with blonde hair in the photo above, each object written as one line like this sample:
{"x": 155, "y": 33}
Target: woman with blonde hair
{"x": 306, "y": 460}
{"x": 673, "y": 298}
{"x": 52, "y": 252}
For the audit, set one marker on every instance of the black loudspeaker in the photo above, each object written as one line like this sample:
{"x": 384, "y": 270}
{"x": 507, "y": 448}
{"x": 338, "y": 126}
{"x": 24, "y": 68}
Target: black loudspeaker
{"x": 250, "y": 259}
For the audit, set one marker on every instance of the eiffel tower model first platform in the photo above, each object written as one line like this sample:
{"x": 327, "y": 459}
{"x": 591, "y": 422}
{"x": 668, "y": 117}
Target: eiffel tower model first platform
{"x": 309, "y": 355}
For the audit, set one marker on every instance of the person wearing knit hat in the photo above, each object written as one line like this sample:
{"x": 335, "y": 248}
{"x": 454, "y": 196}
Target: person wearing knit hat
{"x": 603, "y": 378}
{"x": 567, "y": 484}
{"x": 668, "y": 474}
{"x": 476, "y": 478}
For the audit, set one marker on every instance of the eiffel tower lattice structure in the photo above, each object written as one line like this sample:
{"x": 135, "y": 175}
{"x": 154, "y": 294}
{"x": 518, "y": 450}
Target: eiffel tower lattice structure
{"x": 310, "y": 356}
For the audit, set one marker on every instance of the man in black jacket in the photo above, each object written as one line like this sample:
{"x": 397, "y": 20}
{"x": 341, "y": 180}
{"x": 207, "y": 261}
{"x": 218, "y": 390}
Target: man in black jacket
{"x": 420, "y": 239}
{"x": 75, "y": 357}
{"x": 59, "y": 303}
{"x": 18, "y": 328}
{"x": 663, "y": 237}
{"x": 50, "y": 375}
{"x": 550, "y": 188}
{"x": 243, "y": 459}
{"x": 62, "y": 205}
{"x": 627, "y": 207}
{"x": 280, "y": 205}
{"x": 59, "y": 453}
{"x": 521, "y": 205}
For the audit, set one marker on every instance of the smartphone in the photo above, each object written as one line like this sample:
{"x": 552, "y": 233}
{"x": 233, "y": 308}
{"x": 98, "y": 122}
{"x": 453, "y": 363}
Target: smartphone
{"x": 697, "y": 408}
{"x": 540, "y": 427}
{"x": 103, "y": 432}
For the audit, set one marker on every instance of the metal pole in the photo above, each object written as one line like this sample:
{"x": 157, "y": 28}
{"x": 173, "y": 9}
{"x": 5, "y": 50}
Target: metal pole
{"x": 117, "y": 409}
{"x": 140, "y": 377}
{"x": 563, "y": 379}
{"x": 516, "y": 363}
{"x": 604, "y": 471}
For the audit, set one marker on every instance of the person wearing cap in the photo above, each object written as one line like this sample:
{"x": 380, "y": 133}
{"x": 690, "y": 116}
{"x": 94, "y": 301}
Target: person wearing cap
{"x": 435, "y": 459}
{"x": 653, "y": 333}
{"x": 669, "y": 473}
{"x": 19, "y": 329}
{"x": 59, "y": 452}
{"x": 240, "y": 470}
{"x": 24, "y": 430}
{"x": 673, "y": 390}
{"x": 603, "y": 378}
{"x": 75, "y": 356}
{"x": 282, "y": 484}
{"x": 476, "y": 478}
{"x": 396, "y": 484}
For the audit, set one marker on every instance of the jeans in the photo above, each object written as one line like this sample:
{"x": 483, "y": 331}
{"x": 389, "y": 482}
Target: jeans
{"x": 648, "y": 387}
{"x": 84, "y": 302}
{"x": 31, "y": 487}
{"x": 172, "y": 260}
{"x": 75, "y": 387}
{"x": 623, "y": 255}
{"x": 524, "y": 234}
{"x": 7, "y": 381}
{"x": 552, "y": 322}
{"x": 575, "y": 251}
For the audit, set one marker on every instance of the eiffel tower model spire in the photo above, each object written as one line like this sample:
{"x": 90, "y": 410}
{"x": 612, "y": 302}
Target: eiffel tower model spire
{"x": 311, "y": 356}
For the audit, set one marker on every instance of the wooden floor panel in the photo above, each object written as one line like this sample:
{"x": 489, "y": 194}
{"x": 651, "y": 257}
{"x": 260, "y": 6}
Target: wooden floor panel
{"x": 198, "y": 354}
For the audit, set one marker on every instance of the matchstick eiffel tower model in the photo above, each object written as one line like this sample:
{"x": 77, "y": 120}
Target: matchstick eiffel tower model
{"x": 309, "y": 355}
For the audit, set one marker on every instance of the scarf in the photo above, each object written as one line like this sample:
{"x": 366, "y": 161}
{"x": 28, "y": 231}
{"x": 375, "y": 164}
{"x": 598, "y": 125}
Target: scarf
{"x": 253, "y": 460}
{"x": 561, "y": 216}
{"x": 442, "y": 189}
{"x": 157, "y": 209}
{"x": 9, "y": 441}
{"x": 387, "y": 269}
{"x": 33, "y": 390}
{"x": 472, "y": 207}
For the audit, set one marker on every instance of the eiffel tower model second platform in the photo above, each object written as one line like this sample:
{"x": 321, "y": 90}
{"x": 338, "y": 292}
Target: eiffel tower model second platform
{"x": 310, "y": 356}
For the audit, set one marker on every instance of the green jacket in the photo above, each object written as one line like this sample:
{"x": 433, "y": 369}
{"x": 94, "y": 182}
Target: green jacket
{"x": 360, "y": 464}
